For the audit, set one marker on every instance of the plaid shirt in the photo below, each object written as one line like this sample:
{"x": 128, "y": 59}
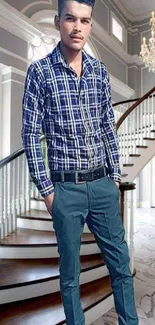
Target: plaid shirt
{"x": 75, "y": 115}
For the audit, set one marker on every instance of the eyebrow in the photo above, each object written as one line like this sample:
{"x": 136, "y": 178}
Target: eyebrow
{"x": 72, "y": 16}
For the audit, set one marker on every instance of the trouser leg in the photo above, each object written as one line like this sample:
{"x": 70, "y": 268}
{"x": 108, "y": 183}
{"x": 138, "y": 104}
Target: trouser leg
{"x": 105, "y": 222}
{"x": 69, "y": 212}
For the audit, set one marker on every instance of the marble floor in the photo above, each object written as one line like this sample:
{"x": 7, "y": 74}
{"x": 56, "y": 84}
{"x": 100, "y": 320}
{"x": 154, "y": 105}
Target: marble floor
{"x": 144, "y": 239}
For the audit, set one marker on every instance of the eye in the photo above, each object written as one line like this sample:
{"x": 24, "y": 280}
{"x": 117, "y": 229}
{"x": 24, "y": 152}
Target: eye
{"x": 85, "y": 21}
{"x": 69, "y": 19}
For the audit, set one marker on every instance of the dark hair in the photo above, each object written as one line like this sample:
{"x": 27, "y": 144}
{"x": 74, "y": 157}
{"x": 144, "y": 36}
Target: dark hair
{"x": 61, "y": 3}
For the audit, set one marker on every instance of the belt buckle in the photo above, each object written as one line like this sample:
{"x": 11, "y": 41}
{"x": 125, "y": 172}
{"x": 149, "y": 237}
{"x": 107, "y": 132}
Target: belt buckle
{"x": 76, "y": 179}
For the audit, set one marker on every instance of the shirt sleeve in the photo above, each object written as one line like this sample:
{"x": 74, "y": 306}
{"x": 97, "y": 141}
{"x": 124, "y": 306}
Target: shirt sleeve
{"x": 109, "y": 130}
{"x": 33, "y": 114}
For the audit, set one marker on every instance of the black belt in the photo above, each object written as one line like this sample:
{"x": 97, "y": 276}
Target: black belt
{"x": 78, "y": 176}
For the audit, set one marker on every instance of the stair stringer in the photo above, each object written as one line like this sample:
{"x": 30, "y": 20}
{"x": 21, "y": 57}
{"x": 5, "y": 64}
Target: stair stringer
{"x": 146, "y": 155}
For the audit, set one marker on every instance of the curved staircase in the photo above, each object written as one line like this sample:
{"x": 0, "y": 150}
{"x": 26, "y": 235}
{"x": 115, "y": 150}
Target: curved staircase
{"x": 29, "y": 282}
{"x": 136, "y": 133}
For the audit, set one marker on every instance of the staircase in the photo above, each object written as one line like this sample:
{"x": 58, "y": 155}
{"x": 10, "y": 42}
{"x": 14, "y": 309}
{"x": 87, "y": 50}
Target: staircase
{"x": 136, "y": 134}
{"x": 29, "y": 282}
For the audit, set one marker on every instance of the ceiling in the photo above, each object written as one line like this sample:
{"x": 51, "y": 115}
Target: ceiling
{"x": 138, "y": 7}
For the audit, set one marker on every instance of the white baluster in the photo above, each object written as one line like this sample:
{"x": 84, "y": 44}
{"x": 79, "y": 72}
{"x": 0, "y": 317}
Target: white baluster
{"x": 2, "y": 225}
{"x": 138, "y": 124}
{"x": 14, "y": 196}
{"x": 149, "y": 116}
{"x": 8, "y": 186}
{"x": 141, "y": 124}
{"x": 27, "y": 190}
{"x": 5, "y": 200}
{"x": 18, "y": 201}
{"x": 126, "y": 215}
{"x": 131, "y": 227}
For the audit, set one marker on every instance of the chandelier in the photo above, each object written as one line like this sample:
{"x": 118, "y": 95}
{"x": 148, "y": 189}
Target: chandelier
{"x": 147, "y": 53}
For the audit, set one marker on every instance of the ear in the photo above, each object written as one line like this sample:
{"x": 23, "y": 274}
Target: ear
{"x": 57, "y": 22}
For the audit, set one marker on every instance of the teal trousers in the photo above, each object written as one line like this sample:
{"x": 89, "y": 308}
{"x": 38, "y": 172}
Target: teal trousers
{"x": 97, "y": 204}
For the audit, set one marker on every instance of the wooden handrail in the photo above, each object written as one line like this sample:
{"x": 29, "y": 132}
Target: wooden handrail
{"x": 137, "y": 103}
{"x": 15, "y": 155}
{"x": 127, "y": 101}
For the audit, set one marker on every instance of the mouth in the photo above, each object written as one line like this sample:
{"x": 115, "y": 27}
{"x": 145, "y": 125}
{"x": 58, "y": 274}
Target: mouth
{"x": 77, "y": 38}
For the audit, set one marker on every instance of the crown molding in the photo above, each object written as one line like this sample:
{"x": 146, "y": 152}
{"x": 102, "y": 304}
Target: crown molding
{"x": 17, "y": 23}
{"x": 7, "y": 70}
{"x": 120, "y": 88}
{"x": 130, "y": 15}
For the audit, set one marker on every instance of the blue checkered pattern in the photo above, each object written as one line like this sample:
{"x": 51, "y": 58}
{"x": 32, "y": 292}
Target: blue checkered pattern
{"x": 75, "y": 115}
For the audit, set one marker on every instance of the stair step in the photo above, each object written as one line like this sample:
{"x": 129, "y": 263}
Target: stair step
{"x": 37, "y": 199}
{"x": 36, "y": 215}
{"x": 48, "y": 309}
{"x": 149, "y": 139}
{"x": 141, "y": 147}
{"x": 134, "y": 155}
{"x": 20, "y": 272}
{"x": 152, "y": 130}
{"x": 30, "y": 237}
{"x": 124, "y": 175}
{"x": 128, "y": 165}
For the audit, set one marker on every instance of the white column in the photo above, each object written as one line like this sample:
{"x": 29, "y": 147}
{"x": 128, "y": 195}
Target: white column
{"x": 12, "y": 93}
{"x": 153, "y": 182}
{"x": 0, "y": 115}
{"x": 145, "y": 180}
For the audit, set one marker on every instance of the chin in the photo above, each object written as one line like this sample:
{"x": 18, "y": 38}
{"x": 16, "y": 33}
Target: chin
{"x": 76, "y": 47}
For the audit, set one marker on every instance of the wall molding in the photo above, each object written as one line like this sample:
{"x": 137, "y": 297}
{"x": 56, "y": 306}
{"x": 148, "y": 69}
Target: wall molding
{"x": 120, "y": 88}
{"x": 128, "y": 14}
{"x": 13, "y": 80}
{"x": 7, "y": 70}
{"x": 17, "y": 23}
{"x": 30, "y": 5}
{"x": 16, "y": 56}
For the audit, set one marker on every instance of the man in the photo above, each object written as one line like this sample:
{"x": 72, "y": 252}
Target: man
{"x": 67, "y": 94}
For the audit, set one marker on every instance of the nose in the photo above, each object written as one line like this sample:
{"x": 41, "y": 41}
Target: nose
{"x": 77, "y": 25}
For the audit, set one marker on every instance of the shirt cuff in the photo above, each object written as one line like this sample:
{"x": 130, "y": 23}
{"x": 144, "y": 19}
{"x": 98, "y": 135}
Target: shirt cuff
{"x": 45, "y": 188}
{"x": 115, "y": 174}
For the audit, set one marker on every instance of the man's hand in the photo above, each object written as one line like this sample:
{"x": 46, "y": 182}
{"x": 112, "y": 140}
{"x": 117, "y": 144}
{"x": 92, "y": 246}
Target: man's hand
{"x": 117, "y": 184}
{"x": 49, "y": 202}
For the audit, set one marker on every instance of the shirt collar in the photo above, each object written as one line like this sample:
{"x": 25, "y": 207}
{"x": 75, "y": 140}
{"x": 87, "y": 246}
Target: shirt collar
{"x": 58, "y": 58}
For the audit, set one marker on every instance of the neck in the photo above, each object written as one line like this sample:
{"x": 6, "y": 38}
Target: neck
{"x": 71, "y": 56}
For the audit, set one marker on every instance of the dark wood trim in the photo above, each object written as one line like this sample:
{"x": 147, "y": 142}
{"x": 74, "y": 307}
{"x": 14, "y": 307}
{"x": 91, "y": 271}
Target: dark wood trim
{"x": 98, "y": 264}
{"x": 127, "y": 186}
{"x": 137, "y": 103}
{"x": 149, "y": 139}
{"x": 127, "y": 101}
{"x": 128, "y": 165}
{"x": 141, "y": 147}
{"x": 15, "y": 155}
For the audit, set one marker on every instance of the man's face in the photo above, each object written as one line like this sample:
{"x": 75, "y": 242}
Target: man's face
{"x": 75, "y": 24}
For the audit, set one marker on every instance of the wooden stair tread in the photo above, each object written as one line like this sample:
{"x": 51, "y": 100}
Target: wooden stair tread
{"x": 30, "y": 237}
{"x": 128, "y": 165}
{"x": 149, "y": 139}
{"x": 36, "y": 215}
{"x": 134, "y": 155}
{"x": 124, "y": 175}
{"x": 37, "y": 199}
{"x": 48, "y": 309}
{"x": 141, "y": 146}
{"x": 19, "y": 272}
